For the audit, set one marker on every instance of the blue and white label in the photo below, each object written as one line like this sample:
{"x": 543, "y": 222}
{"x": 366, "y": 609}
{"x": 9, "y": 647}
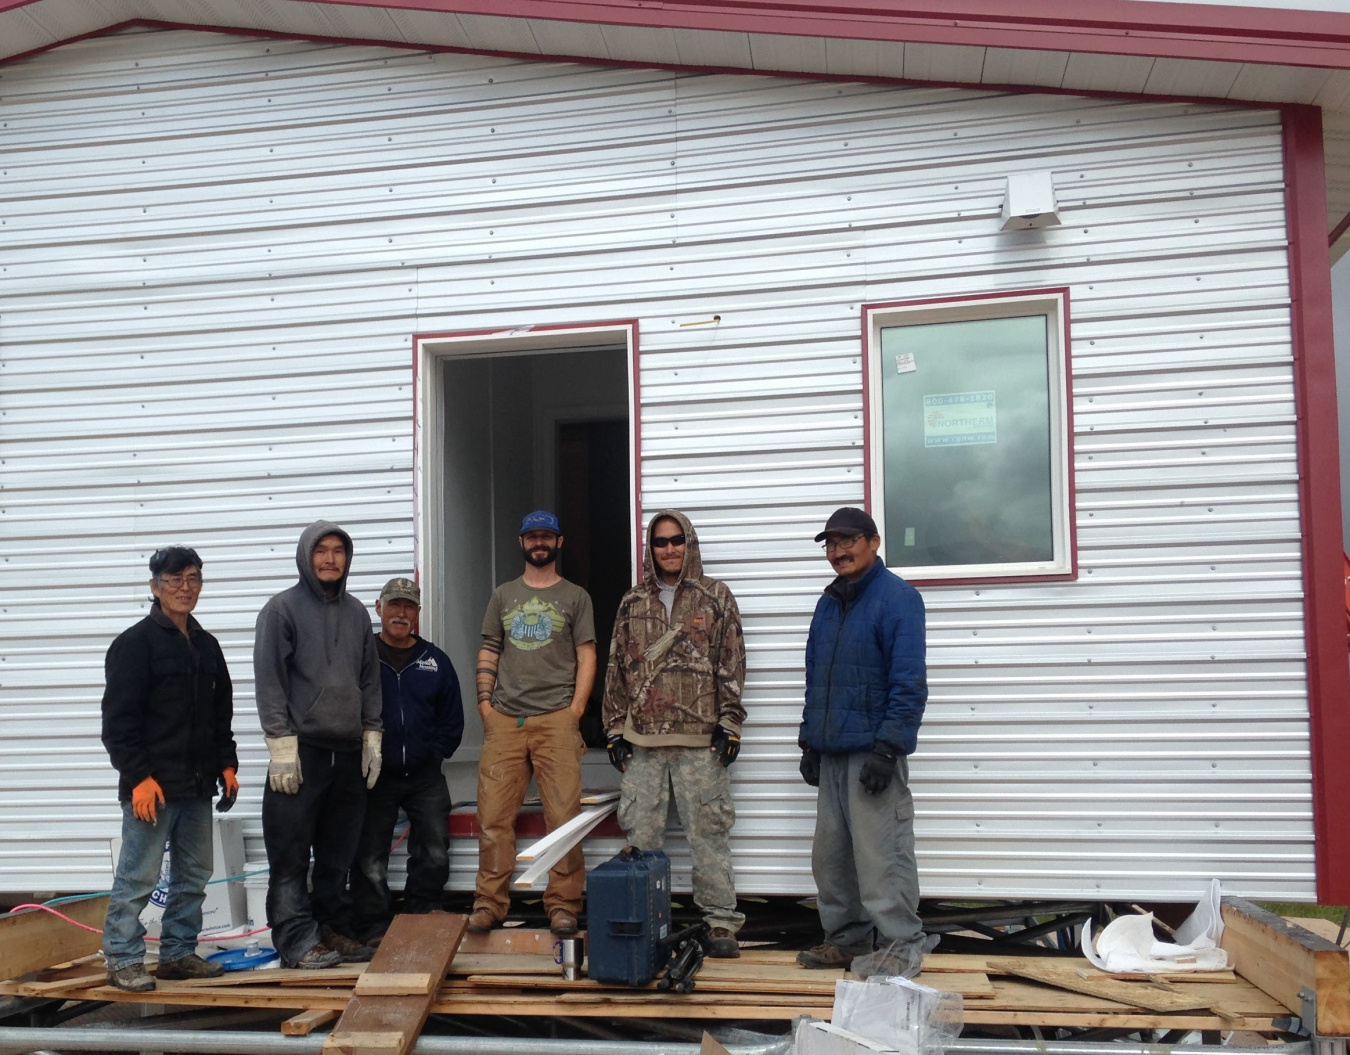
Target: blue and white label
{"x": 959, "y": 419}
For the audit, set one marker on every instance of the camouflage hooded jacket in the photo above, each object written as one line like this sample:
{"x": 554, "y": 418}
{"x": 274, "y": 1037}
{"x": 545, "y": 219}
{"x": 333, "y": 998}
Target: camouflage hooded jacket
{"x": 671, "y": 679}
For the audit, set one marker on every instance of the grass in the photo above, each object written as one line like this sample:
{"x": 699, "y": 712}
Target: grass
{"x": 1335, "y": 913}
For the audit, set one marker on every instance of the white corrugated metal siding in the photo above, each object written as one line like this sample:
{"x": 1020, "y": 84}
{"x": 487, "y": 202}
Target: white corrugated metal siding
{"x": 216, "y": 251}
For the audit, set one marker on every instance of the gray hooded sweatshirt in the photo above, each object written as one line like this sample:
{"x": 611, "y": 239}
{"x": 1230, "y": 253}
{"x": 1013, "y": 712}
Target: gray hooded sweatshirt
{"x": 315, "y": 666}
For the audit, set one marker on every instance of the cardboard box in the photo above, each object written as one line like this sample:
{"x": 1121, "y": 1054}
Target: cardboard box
{"x": 226, "y": 904}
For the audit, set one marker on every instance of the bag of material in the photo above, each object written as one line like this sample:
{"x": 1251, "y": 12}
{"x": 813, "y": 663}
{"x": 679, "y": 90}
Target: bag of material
{"x": 1126, "y": 945}
{"x": 901, "y": 1015}
{"x": 900, "y": 959}
{"x": 825, "y": 1038}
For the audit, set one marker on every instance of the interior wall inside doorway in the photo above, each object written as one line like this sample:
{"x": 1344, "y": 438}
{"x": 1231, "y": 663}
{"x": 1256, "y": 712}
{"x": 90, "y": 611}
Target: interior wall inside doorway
{"x": 503, "y": 417}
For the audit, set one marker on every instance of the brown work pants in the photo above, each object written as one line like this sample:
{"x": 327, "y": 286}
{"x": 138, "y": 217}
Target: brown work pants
{"x": 549, "y": 747}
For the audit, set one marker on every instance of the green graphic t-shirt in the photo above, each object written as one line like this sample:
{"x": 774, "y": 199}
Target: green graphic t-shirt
{"x": 540, "y": 632}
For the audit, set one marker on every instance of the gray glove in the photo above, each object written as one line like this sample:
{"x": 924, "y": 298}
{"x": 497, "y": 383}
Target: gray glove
{"x": 283, "y": 771}
{"x": 371, "y": 740}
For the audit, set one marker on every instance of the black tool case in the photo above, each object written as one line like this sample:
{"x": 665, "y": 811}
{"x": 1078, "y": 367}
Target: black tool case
{"x": 627, "y": 917}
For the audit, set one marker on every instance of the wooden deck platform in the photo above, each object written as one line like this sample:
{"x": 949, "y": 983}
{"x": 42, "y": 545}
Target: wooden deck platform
{"x": 511, "y": 972}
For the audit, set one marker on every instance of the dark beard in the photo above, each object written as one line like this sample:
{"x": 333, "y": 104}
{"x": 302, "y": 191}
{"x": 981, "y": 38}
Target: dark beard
{"x": 541, "y": 562}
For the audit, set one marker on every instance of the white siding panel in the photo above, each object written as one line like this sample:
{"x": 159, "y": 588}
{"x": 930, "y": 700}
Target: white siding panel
{"x": 215, "y": 261}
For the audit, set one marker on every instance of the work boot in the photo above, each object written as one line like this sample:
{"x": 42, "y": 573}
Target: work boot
{"x": 189, "y": 966}
{"x": 131, "y": 978}
{"x": 722, "y": 945}
{"x": 481, "y": 920}
{"x": 351, "y": 950}
{"x": 317, "y": 957}
{"x": 825, "y": 957}
{"x": 562, "y": 922}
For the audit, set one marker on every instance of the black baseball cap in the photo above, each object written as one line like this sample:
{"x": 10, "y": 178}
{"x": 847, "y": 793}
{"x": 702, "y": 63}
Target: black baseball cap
{"x": 848, "y": 520}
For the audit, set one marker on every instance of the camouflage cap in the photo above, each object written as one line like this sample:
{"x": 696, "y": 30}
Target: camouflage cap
{"x": 402, "y": 590}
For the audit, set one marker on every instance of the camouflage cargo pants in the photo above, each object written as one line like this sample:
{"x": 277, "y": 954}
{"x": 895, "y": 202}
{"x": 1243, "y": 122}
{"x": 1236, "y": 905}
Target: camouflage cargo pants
{"x": 702, "y": 791}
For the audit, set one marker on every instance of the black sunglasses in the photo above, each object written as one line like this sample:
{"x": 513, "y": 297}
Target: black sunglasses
{"x": 662, "y": 541}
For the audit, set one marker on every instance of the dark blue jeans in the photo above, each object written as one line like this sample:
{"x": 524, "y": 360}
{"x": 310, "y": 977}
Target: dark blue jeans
{"x": 424, "y": 797}
{"x": 186, "y": 826}
{"x": 324, "y": 816}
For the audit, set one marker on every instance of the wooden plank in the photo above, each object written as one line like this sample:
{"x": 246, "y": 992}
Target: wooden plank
{"x": 601, "y": 1005}
{"x": 1282, "y": 959}
{"x": 971, "y": 986}
{"x": 511, "y": 939}
{"x": 389, "y": 1025}
{"x": 33, "y": 939}
{"x": 944, "y": 962}
{"x": 305, "y": 1023}
{"x": 1068, "y": 975}
{"x": 387, "y": 983}
{"x": 344, "y": 974}
{"x": 61, "y": 985}
{"x": 981, "y": 1016}
{"x": 388, "y": 1041}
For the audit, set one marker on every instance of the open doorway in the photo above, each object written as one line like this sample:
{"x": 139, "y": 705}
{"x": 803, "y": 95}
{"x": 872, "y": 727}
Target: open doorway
{"x": 511, "y": 424}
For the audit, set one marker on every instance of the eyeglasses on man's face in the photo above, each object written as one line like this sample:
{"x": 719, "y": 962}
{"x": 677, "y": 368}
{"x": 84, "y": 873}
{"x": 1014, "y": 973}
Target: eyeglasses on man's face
{"x": 181, "y": 582}
{"x": 663, "y": 541}
{"x": 838, "y": 542}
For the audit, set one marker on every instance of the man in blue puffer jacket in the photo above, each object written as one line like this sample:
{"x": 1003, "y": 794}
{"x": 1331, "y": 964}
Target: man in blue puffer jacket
{"x": 866, "y": 685}
{"x": 423, "y": 724}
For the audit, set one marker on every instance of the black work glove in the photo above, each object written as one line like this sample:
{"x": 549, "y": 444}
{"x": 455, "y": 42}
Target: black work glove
{"x": 878, "y": 770}
{"x": 727, "y": 744}
{"x": 810, "y": 766}
{"x": 227, "y": 798}
{"x": 620, "y": 751}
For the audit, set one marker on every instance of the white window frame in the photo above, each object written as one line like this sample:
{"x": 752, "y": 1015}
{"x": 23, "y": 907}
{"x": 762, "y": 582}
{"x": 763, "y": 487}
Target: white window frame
{"x": 1054, "y": 304}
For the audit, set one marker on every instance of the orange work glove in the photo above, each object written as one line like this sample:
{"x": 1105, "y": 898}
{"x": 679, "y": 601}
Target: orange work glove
{"x": 143, "y": 797}
{"x": 229, "y": 790}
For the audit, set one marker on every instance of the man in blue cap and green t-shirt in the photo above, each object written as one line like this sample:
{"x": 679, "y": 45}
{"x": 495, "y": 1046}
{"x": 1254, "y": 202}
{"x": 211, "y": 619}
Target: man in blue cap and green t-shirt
{"x": 535, "y": 670}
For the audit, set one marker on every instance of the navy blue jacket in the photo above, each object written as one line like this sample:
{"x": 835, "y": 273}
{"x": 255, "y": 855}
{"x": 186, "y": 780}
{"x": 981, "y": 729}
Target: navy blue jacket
{"x": 423, "y": 713}
{"x": 866, "y": 679}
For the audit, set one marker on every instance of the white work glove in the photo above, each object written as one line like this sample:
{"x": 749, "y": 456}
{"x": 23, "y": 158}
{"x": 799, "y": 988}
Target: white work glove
{"x": 283, "y": 771}
{"x": 371, "y": 740}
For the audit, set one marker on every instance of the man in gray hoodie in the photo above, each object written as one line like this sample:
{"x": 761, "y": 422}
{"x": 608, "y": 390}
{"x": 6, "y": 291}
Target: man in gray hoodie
{"x": 318, "y": 688}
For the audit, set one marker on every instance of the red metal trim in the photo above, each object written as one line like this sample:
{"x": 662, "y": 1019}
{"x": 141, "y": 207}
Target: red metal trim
{"x": 1071, "y": 539}
{"x": 264, "y": 34}
{"x": 1260, "y": 36}
{"x": 1319, "y": 485}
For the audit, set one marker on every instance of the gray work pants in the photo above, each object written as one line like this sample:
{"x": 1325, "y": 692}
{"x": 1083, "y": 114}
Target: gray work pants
{"x": 863, "y": 857}
{"x": 702, "y": 790}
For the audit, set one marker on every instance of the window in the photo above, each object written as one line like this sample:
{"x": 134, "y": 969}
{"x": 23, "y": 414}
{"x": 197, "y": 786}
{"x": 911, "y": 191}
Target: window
{"x": 969, "y": 437}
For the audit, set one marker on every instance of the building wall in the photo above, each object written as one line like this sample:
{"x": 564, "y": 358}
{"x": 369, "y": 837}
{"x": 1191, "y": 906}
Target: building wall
{"x": 216, "y": 251}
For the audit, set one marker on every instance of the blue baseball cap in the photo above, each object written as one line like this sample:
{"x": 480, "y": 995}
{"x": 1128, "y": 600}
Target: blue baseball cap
{"x": 541, "y": 520}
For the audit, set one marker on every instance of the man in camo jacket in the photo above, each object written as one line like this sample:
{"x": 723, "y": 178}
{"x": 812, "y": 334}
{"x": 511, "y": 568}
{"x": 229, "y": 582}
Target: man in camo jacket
{"x": 673, "y": 713}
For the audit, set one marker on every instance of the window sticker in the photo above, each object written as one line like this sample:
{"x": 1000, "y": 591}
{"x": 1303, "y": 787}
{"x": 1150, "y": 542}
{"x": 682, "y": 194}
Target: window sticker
{"x": 959, "y": 419}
